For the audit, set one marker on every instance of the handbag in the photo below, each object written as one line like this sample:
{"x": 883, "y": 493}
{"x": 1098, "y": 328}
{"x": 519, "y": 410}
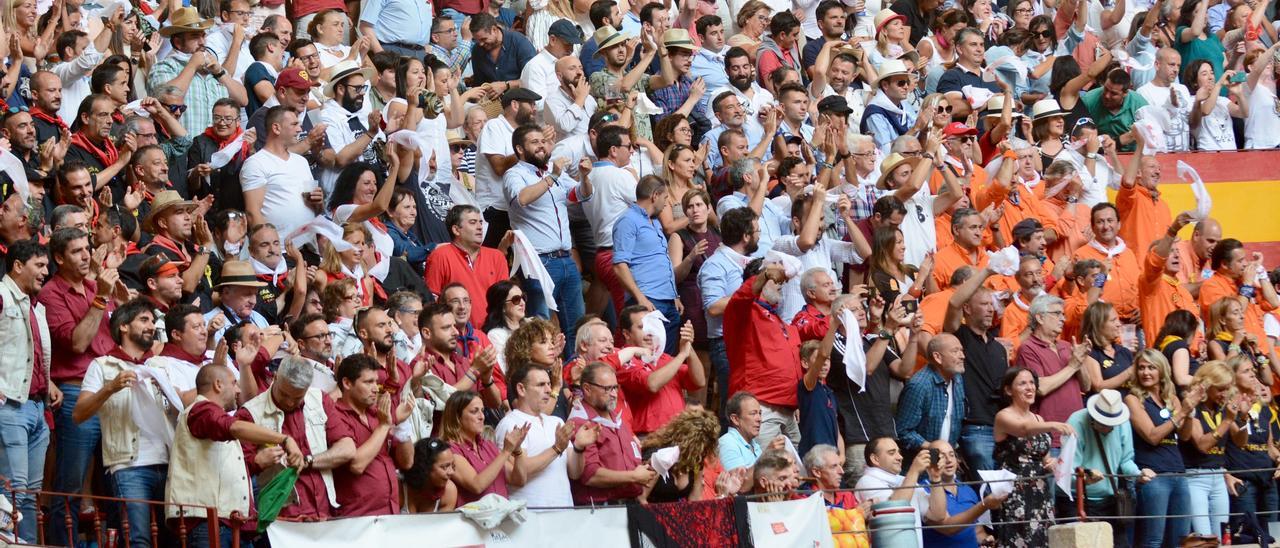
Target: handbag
{"x": 1125, "y": 505}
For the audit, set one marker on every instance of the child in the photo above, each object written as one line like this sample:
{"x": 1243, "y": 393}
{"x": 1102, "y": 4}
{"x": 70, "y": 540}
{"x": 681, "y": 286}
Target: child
{"x": 817, "y": 402}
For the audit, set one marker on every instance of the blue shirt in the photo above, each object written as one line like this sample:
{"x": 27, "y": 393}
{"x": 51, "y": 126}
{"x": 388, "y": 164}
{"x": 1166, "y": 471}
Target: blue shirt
{"x": 404, "y": 21}
{"x": 736, "y": 451}
{"x": 753, "y": 132}
{"x": 817, "y": 415}
{"x": 772, "y": 220}
{"x": 709, "y": 66}
{"x": 639, "y": 242}
{"x": 964, "y": 499}
{"x": 232, "y": 320}
{"x": 1119, "y": 448}
{"x": 545, "y": 221}
{"x": 515, "y": 53}
{"x": 719, "y": 276}
{"x": 923, "y": 406}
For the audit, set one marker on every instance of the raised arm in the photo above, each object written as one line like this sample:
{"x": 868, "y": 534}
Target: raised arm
{"x": 963, "y": 293}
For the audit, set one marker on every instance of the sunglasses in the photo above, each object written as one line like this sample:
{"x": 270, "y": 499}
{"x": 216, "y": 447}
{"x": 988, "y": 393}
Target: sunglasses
{"x": 901, "y": 83}
{"x": 176, "y": 110}
{"x": 516, "y": 299}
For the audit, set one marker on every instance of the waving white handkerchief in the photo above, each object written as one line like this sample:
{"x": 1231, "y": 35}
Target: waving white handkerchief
{"x": 1203, "y": 202}
{"x": 12, "y": 166}
{"x": 998, "y": 482}
{"x": 223, "y": 156}
{"x": 653, "y": 325}
{"x": 1003, "y": 262}
{"x": 663, "y": 459}
{"x": 977, "y": 96}
{"x": 855, "y": 361}
{"x": 321, "y": 226}
{"x": 527, "y": 261}
{"x": 791, "y": 265}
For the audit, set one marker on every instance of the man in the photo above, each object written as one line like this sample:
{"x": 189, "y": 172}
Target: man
{"x": 539, "y": 75}
{"x": 38, "y": 161}
{"x": 91, "y": 145}
{"x": 570, "y": 105}
{"x": 709, "y": 61}
{"x": 465, "y": 261}
{"x": 399, "y": 26}
{"x": 749, "y": 191}
{"x": 349, "y": 134}
{"x": 882, "y": 481}
{"x": 160, "y": 128}
{"x": 774, "y": 474}
{"x": 653, "y": 381}
{"x": 1194, "y": 254}
{"x": 1104, "y": 445}
{"x": 315, "y": 346}
{"x": 183, "y": 354}
{"x": 820, "y": 290}
{"x": 229, "y": 40}
{"x": 181, "y": 239}
{"x": 238, "y": 288}
{"x": 207, "y": 465}
{"x": 1165, "y": 93}
{"x": 547, "y": 466}
{"x": 1108, "y": 247}
{"x": 794, "y": 119}
{"x": 80, "y": 56}
{"x": 472, "y": 342}
{"x": 1114, "y": 108}
{"x": 831, "y": 24}
{"x": 404, "y": 307}
{"x": 602, "y": 13}
{"x": 278, "y": 274}
{"x": 965, "y": 249}
{"x": 498, "y": 54}
{"x": 611, "y": 472}
{"x": 1014, "y": 323}
{"x": 764, "y": 350}
{"x": 537, "y": 200}
{"x": 729, "y": 111}
{"x": 446, "y": 46}
{"x": 24, "y": 379}
{"x": 613, "y": 188}
{"x": 780, "y": 48}
{"x": 46, "y": 98}
{"x": 133, "y": 448}
{"x": 293, "y": 91}
{"x": 192, "y": 68}
{"x": 684, "y": 93}
{"x": 753, "y": 98}
{"x": 719, "y": 277}
{"x": 495, "y": 155}
{"x": 616, "y": 81}
{"x": 376, "y": 332}
{"x": 1143, "y": 211}
{"x": 161, "y": 281}
{"x": 970, "y": 49}
{"x": 77, "y": 308}
{"x": 932, "y": 404}
{"x": 1234, "y": 270}
{"x": 1058, "y": 364}
{"x": 824, "y": 463}
{"x": 439, "y": 343}
{"x": 954, "y": 506}
{"x": 812, "y": 247}
{"x": 275, "y": 178}
{"x": 640, "y": 260}
{"x": 888, "y": 115}
{"x": 366, "y": 485}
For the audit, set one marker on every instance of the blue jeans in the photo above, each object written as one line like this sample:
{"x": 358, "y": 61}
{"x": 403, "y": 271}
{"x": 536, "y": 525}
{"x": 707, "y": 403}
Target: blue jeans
{"x": 1208, "y": 494}
{"x": 977, "y": 445}
{"x": 668, "y": 309}
{"x": 142, "y": 483}
{"x": 1160, "y": 497}
{"x": 76, "y": 446}
{"x": 25, "y": 437}
{"x": 720, "y": 365}
{"x": 568, "y": 295}
{"x": 198, "y": 537}
{"x": 1256, "y": 494}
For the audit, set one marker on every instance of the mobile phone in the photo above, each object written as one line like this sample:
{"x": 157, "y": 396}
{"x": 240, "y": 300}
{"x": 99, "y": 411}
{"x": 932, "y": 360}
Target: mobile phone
{"x": 1238, "y": 78}
{"x": 934, "y": 456}
{"x": 910, "y": 305}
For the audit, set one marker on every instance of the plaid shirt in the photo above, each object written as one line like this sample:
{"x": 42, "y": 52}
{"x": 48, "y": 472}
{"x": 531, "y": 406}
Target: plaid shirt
{"x": 458, "y": 59}
{"x": 204, "y": 91}
{"x": 672, "y": 97}
{"x": 923, "y": 406}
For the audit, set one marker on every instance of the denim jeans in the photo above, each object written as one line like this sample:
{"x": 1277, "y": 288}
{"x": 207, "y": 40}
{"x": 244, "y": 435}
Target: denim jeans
{"x": 568, "y": 295}
{"x": 720, "y": 369}
{"x": 1209, "y": 506}
{"x": 24, "y": 437}
{"x": 76, "y": 446}
{"x": 142, "y": 483}
{"x": 1256, "y": 494}
{"x": 198, "y": 537}
{"x": 668, "y": 309}
{"x": 977, "y": 445}
{"x": 1160, "y": 497}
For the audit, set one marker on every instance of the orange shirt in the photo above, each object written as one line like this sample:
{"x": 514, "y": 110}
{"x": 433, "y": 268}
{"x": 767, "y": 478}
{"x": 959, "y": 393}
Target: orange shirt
{"x": 1025, "y": 206}
{"x": 1015, "y": 319}
{"x": 934, "y": 308}
{"x": 949, "y": 259}
{"x": 977, "y": 180}
{"x": 1191, "y": 268}
{"x": 1158, "y": 295}
{"x": 1219, "y": 286}
{"x": 942, "y": 225}
{"x": 1122, "y": 283}
{"x": 1073, "y": 221}
{"x": 1143, "y": 217}
{"x": 1073, "y": 309}
{"x": 1009, "y": 284}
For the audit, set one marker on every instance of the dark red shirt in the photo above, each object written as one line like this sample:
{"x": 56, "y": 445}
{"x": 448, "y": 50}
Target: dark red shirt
{"x": 64, "y": 307}
{"x": 765, "y": 350}
{"x": 207, "y": 421}
{"x": 313, "y": 498}
{"x": 811, "y": 323}
{"x": 1045, "y": 359}
{"x": 376, "y": 492}
{"x": 651, "y": 409}
{"x": 615, "y": 449}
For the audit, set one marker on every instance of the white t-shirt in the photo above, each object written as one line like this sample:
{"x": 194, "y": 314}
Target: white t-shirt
{"x": 151, "y": 441}
{"x": 550, "y": 487}
{"x": 1177, "y": 133}
{"x": 338, "y": 130}
{"x": 286, "y": 180}
{"x": 613, "y": 190}
{"x": 1215, "y": 131}
{"x": 495, "y": 138}
{"x": 826, "y": 255}
{"x": 1262, "y": 127}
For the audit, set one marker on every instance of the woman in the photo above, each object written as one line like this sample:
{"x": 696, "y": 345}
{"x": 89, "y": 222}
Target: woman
{"x": 1211, "y": 118}
{"x": 430, "y": 479}
{"x": 1174, "y": 340}
{"x": 1021, "y": 12}
{"x": 1228, "y": 337}
{"x": 887, "y": 271}
{"x": 752, "y": 19}
{"x": 893, "y": 39}
{"x": 1255, "y": 491}
{"x": 20, "y": 16}
{"x": 340, "y": 301}
{"x": 1193, "y": 39}
{"x": 983, "y": 17}
{"x": 1203, "y": 441}
{"x": 1067, "y": 81}
{"x": 504, "y": 315}
{"x": 400, "y": 220}
{"x": 695, "y": 243}
{"x": 537, "y": 342}
{"x": 680, "y": 166}
{"x": 472, "y": 123}
{"x": 1044, "y": 38}
{"x": 349, "y": 264}
{"x": 695, "y": 431}
{"x": 1156, "y": 414}
{"x": 479, "y": 466}
{"x": 1022, "y": 446}
{"x": 1110, "y": 363}
{"x": 1048, "y": 128}
{"x": 360, "y": 195}
{"x": 328, "y": 29}
{"x": 939, "y": 47}
{"x": 942, "y": 110}
{"x": 673, "y": 129}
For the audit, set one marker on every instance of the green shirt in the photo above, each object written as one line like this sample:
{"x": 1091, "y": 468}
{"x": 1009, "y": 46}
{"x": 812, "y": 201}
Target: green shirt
{"x": 1113, "y": 123}
{"x": 1118, "y": 443}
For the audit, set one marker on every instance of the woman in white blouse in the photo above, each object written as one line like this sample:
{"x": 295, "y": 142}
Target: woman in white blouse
{"x": 1211, "y": 116}
{"x": 327, "y": 29}
{"x": 505, "y": 313}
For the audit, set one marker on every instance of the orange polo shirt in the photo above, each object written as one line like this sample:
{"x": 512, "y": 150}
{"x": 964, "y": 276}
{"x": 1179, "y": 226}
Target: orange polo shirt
{"x": 934, "y": 308}
{"x": 1073, "y": 309}
{"x": 1122, "y": 283}
{"x": 1158, "y": 295}
{"x": 1073, "y": 221}
{"x": 1143, "y": 217}
{"x": 942, "y": 225}
{"x": 1219, "y": 286}
{"x": 949, "y": 259}
{"x": 1028, "y": 206}
{"x": 977, "y": 180}
{"x": 1015, "y": 319}
{"x": 1192, "y": 269}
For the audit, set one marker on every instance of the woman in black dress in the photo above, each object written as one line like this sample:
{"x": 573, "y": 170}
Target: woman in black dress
{"x": 696, "y": 241}
{"x": 695, "y": 432}
{"x": 1022, "y": 447}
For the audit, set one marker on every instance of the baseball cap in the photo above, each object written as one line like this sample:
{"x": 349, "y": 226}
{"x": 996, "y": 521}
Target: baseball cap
{"x": 295, "y": 78}
{"x": 566, "y": 31}
{"x": 955, "y": 129}
{"x": 1025, "y": 228}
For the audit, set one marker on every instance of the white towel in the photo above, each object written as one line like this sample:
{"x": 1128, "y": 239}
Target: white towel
{"x": 1203, "y": 202}
{"x": 654, "y": 325}
{"x": 323, "y": 227}
{"x": 527, "y": 261}
{"x": 224, "y": 155}
{"x": 977, "y": 96}
{"x": 1066, "y": 465}
{"x": 855, "y": 361}
{"x": 1150, "y": 123}
{"x": 136, "y": 108}
{"x": 790, "y": 265}
{"x": 491, "y": 510}
{"x": 1004, "y": 262}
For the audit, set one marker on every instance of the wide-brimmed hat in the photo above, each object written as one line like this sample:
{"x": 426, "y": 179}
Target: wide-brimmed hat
{"x": 678, "y": 38}
{"x": 161, "y": 204}
{"x": 893, "y": 67}
{"x": 1046, "y": 108}
{"x": 884, "y": 16}
{"x": 185, "y": 20}
{"x": 890, "y": 163}
{"x": 239, "y": 273}
{"x": 344, "y": 70}
{"x": 995, "y": 107}
{"x": 1107, "y": 408}
{"x": 607, "y": 37}
{"x": 457, "y": 137}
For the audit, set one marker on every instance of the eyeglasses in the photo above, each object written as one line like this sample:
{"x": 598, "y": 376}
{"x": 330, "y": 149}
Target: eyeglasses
{"x": 1023, "y": 10}
{"x": 240, "y": 13}
{"x": 225, "y": 119}
{"x": 308, "y": 58}
{"x": 321, "y": 336}
{"x": 357, "y": 90}
{"x": 613, "y": 388}
{"x": 516, "y": 299}
{"x": 449, "y": 30}
{"x": 414, "y": 311}
{"x": 354, "y": 298}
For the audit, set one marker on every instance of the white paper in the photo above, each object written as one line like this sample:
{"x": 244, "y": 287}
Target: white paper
{"x": 663, "y": 459}
{"x": 1066, "y": 465}
{"x": 224, "y": 155}
{"x": 526, "y": 260}
{"x": 998, "y": 482}
{"x": 654, "y": 325}
{"x": 1203, "y": 202}
{"x": 795, "y": 455}
{"x": 1004, "y": 262}
{"x": 855, "y": 361}
{"x": 11, "y": 165}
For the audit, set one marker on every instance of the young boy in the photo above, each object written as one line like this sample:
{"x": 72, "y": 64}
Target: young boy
{"x": 817, "y": 402}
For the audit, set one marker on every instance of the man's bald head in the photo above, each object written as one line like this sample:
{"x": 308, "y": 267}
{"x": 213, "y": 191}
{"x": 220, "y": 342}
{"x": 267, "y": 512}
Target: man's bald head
{"x": 44, "y": 79}
{"x": 1205, "y": 236}
{"x": 569, "y": 69}
{"x": 209, "y": 375}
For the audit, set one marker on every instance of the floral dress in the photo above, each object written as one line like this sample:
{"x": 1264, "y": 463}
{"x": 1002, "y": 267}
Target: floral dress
{"x": 1031, "y": 500}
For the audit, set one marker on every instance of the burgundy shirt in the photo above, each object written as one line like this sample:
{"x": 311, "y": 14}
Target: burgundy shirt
{"x": 208, "y": 421}
{"x": 616, "y": 449}
{"x": 313, "y": 499}
{"x": 64, "y": 307}
{"x": 376, "y": 492}
{"x": 1044, "y": 360}
{"x": 651, "y": 409}
{"x": 479, "y": 456}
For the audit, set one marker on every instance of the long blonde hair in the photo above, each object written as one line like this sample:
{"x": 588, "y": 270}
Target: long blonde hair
{"x": 330, "y": 258}
{"x": 1216, "y": 374}
{"x": 1164, "y": 385}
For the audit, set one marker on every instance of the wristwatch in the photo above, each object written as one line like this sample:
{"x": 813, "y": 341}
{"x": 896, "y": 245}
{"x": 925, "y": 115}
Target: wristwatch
{"x": 308, "y": 460}
{"x": 1091, "y": 155}
{"x": 202, "y": 250}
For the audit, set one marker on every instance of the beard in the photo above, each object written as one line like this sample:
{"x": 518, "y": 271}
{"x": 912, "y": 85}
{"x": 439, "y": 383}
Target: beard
{"x": 537, "y": 160}
{"x": 143, "y": 339}
{"x": 383, "y": 346}
{"x": 524, "y": 117}
{"x": 742, "y": 83}
{"x": 752, "y": 247}
{"x": 351, "y": 104}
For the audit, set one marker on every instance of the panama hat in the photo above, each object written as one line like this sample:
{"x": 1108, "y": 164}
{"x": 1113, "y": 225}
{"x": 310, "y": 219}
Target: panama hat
{"x": 1107, "y": 408}
{"x": 995, "y": 106}
{"x": 892, "y": 162}
{"x": 160, "y": 205}
{"x": 677, "y": 38}
{"x": 1046, "y": 108}
{"x": 344, "y": 70}
{"x": 239, "y": 273}
{"x": 607, "y": 37}
{"x": 185, "y": 20}
{"x": 884, "y": 16}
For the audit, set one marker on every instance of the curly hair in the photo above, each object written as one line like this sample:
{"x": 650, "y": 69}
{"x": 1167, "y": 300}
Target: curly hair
{"x": 695, "y": 431}
{"x": 520, "y": 345}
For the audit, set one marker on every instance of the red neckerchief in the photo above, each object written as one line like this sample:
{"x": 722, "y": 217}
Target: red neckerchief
{"x": 378, "y": 223}
{"x": 106, "y": 156}
{"x": 220, "y": 142}
{"x": 167, "y": 243}
{"x": 176, "y": 352}
{"x": 132, "y": 249}
{"x": 117, "y": 352}
{"x": 37, "y": 112}
{"x": 163, "y": 308}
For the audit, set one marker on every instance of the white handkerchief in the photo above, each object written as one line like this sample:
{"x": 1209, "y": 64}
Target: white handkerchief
{"x": 791, "y": 448}
{"x": 998, "y": 482}
{"x": 663, "y": 459}
{"x": 1151, "y": 123}
{"x": 11, "y": 165}
{"x": 1066, "y": 465}
{"x": 323, "y": 227}
{"x": 977, "y": 96}
{"x": 224, "y": 155}
{"x": 1004, "y": 262}
{"x": 790, "y": 265}
{"x": 1203, "y": 202}
{"x": 654, "y": 326}
{"x": 135, "y": 108}
{"x": 855, "y": 361}
{"x": 526, "y": 260}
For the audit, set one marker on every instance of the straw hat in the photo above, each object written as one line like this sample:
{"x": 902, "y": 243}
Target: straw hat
{"x": 607, "y": 37}
{"x": 677, "y": 38}
{"x": 893, "y": 67}
{"x": 1107, "y": 408}
{"x": 161, "y": 204}
{"x": 186, "y": 20}
{"x": 1046, "y": 108}
{"x": 995, "y": 106}
{"x": 344, "y": 70}
{"x": 457, "y": 137}
{"x": 884, "y": 16}
{"x": 892, "y": 162}
{"x": 239, "y": 273}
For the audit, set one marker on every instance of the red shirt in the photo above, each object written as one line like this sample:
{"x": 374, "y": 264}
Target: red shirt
{"x": 208, "y": 421}
{"x": 618, "y": 449}
{"x": 811, "y": 323}
{"x": 376, "y": 492}
{"x": 300, "y": 8}
{"x": 64, "y": 307}
{"x": 312, "y": 498}
{"x": 651, "y": 410}
{"x": 479, "y": 455}
{"x": 449, "y": 263}
{"x": 1044, "y": 359}
{"x": 764, "y": 350}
